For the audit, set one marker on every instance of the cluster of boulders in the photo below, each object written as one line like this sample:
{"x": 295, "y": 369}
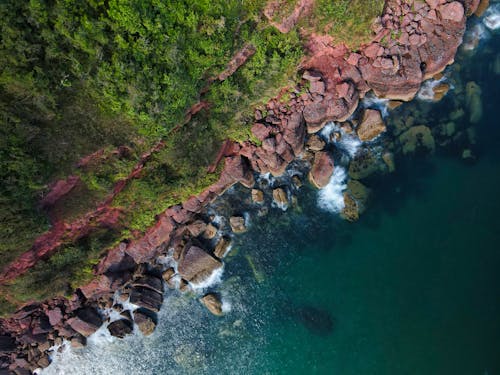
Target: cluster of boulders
{"x": 413, "y": 41}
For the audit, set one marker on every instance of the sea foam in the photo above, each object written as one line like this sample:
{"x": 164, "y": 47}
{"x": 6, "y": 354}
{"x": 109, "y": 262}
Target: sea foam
{"x": 331, "y": 197}
{"x": 492, "y": 17}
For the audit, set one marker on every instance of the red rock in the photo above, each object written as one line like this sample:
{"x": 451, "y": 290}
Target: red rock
{"x": 452, "y": 11}
{"x": 237, "y": 168}
{"x": 371, "y": 51}
{"x": 196, "y": 265}
{"x": 295, "y": 133}
{"x": 354, "y": 58}
{"x": 322, "y": 169}
{"x": 269, "y": 144}
{"x": 86, "y": 321}
{"x": 317, "y": 87}
{"x": 260, "y": 131}
{"x": 197, "y": 228}
{"x": 179, "y": 214}
{"x": 55, "y": 316}
{"x": 98, "y": 286}
{"x": 371, "y": 126}
{"x": 59, "y": 189}
{"x": 161, "y": 231}
{"x": 432, "y": 3}
{"x": 192, "y": 204}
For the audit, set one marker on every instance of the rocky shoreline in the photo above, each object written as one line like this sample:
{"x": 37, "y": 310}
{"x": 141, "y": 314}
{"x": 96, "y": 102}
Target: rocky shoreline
{"x": 414, "y": 41}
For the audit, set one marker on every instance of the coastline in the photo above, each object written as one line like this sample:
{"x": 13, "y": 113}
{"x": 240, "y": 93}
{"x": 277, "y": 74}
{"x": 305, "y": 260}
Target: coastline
{"x": 336, "y": 80}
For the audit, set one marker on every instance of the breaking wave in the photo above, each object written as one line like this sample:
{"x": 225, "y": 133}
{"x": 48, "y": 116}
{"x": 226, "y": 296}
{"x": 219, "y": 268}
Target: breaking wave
{"x": 331, "y": 197}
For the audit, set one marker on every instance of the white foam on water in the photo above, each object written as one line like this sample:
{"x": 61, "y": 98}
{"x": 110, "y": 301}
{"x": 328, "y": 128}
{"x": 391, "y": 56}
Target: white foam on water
{"x": 492, "y": 17}
{"x": 226, "y": 306}
{"x": 331, "y": 197}
{"x": 426, "y": 92}
{"x": 348, "y": 143}
{"x": 473, "y": 36}
{"x": 214, "y": 279}
{"x": 373, "y": 101}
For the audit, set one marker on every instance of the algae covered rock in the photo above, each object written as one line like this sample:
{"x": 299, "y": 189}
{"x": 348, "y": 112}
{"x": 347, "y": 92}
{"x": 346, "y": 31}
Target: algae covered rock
{"x": 355, "y": 199}
{"x": 473, "y": 102}
{"x": 364, "y": 164}
{"x": 417, "y": 138}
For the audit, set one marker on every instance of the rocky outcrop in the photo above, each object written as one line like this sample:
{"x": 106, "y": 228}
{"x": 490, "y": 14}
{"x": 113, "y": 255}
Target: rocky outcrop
{"x": 213, "y": 304}
{"x": 322, "y": 169}
{"x": 417, "y": 138}
{"x": 120, "y": 328}
{"x": 196, "y": 264}
{"x": 86, "y": 321}
{"x": 144, "y": 321}
{"x": 371, "y": 126}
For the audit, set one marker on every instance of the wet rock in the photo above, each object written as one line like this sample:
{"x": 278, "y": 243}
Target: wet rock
{"x": 196, "y": 264}
{"x": 78, "y": 342}
{"x": 213, "y": 303}
{"x": 280, "y": 197}
{"x": 453, "y": 11}
{"x": 196, "y": 228}
{"x": 363, "y": 165}
{"x": 322, "y": 169}
{"x": 150, "y": 282}
{"x": 146, "y": 297}
{"x": 440, "y": 91}
{"x": 297, "y": 181}
{"x": 315, "y": 143}
{"x": 237, "y": 224}
{"x": 210, "y": 232}
{"x": 86, "y": 321}
{"x": 257, "y": 196}
{"x": 168, "y": 274}
{"x": 144, "y": 321}
{"x": 371, "y": 126}
{"x": 388, "y": 158}
{"x": 473, "y": 102}
{"x": 120, "y": 328}
{"x": 222, "y": 247}
{"x": 417, "y": 138}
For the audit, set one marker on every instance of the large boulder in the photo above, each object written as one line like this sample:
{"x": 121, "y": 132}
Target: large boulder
{"x": 322, "y": 169}
{"x": 371, "y": 126}
{"x": 149, "y": 281}
{"x": 363, "y": 165}
{"x": 86, "y": 321}
{"x": 213, "y": 304}
{"x": 237, "y": 224}
{"x": 145, "y": 321}
{"x": 120, "y": 328}
{"x": 146, "y": 297}
{"x": 238, "y": 168}
{"x": 196, "y": 264}
{"x": 280, "y": 197}
{"x": 222, "y": 247}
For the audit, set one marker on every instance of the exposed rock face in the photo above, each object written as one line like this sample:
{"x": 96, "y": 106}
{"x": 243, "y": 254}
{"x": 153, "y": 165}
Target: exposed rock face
{"x": 371, "y": 126}
{"x": 86, "y": 321}
{"x": 322, "y": 169}
{"x": 237, "y": 224}
{"x": 417, "y": 138}
{"x": 120, "y": 328}
{"x": 212, "y": 303}
{"x": 210, "y": 231}
{"x": 315, "y": 143}
{"x": 196, "y": 264}
{"x": 146, "y": 297}
{"x": 221, "y": 247}
{"x": 280, "y": 197}
{"x": 257, "y": 196}
{"x": 144, "y": 321}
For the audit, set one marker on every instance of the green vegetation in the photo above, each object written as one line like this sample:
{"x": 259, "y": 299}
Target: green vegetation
{"x": 79, "y": 76}
{"x": 347, "y": 21}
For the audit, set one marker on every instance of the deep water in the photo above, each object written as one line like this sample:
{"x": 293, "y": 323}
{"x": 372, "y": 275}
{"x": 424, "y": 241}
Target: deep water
{"x": 412, "y": 288}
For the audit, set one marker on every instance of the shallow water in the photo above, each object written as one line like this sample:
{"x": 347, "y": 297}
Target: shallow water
{"x": 412, "y": 288}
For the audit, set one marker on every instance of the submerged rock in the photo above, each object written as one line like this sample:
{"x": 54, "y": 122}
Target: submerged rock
{"x": 473, "y": 102}
{"x": 316, "y": 320}
{"x": 213, "y": 303}
{"x": 355, "y": 199}
{"x": 322, "y": 169}
{"x": 371, "y": 126}
{"x": 363, "y": 164}
{"x": 417, "y": 138}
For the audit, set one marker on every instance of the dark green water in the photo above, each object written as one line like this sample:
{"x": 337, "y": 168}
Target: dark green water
{"x": 412, "y": 288}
